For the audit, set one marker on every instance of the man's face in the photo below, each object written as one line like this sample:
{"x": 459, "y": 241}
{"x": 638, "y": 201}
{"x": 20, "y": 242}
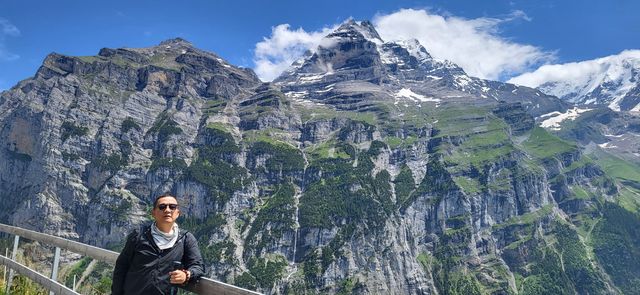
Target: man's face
{"x": 163, "y": 213}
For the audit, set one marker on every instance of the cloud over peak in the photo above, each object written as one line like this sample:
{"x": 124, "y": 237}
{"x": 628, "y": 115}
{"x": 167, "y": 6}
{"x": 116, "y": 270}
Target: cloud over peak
{"x": 275, "y": 54}
{"x": 473, "y": 44}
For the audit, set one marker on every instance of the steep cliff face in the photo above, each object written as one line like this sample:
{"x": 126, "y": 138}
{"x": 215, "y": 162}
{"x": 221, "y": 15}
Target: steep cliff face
{"x": 369, "y": 167}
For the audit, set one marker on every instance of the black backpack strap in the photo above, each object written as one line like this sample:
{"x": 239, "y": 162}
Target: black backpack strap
{"x": 140, "y": 235}
{"x": 183, "y": 236}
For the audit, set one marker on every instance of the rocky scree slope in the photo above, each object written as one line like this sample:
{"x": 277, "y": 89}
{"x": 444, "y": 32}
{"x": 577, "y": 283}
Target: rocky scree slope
{"x": 367, "y": 168}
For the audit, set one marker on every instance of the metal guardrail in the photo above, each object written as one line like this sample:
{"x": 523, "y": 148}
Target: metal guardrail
{"x": 47, "y": 283}
{"x": 204, "y": 286}
{"x": 73, "y": 246}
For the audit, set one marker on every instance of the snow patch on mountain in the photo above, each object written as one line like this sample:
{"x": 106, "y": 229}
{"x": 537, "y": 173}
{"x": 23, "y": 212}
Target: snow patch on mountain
{"x": 313, "y": 78}
{"x": 607, "y": 145}
{"x": 556, "y": 118}
{"x": 406, "y": 93}
{"x": 463, "y": 81}
{"x": 387, "y": 57}
{"x": 297, "y": 94}
{"x": 414, "y": 48}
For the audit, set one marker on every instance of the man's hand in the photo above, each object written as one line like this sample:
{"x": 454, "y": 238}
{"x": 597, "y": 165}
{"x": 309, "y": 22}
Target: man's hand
{"x": 178, "y": 277}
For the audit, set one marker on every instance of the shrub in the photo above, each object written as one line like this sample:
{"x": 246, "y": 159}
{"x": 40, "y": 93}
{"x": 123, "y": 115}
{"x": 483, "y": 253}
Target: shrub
{"x": 69, "y": 129}
{"x": 128, "y": 124}
{"x": 112, "y": 162}
{"x": 164, "y": 127}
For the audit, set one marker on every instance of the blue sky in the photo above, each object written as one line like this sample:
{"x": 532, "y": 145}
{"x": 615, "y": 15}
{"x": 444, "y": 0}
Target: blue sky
{"x": 543, "y": 31}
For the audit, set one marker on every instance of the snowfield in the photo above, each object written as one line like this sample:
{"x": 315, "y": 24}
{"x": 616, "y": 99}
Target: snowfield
{"x": 556, "y": 118}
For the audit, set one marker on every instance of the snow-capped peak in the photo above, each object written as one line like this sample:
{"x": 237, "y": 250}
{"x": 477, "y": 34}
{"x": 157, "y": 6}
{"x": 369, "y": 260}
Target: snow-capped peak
{"x": 613, "y": 80}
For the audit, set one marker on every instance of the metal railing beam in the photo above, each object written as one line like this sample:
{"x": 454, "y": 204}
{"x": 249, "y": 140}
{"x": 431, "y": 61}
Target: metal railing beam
{"x": 73, "y": 246}
{"x": 40, "y": 279}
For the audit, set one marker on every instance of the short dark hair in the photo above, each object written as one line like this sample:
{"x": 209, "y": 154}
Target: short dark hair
{"x": 165, "y": 195}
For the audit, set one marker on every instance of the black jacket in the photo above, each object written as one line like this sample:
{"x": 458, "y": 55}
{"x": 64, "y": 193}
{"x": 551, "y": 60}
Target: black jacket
{"x": 142, "y": 268}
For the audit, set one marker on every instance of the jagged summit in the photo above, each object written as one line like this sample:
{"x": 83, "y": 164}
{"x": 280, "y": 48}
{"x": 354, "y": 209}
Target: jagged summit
{"x": 355, "y": 50}
{"x": 176, "y": 41}
{"x": 352, "y": 28}
{"x": 351, "y": 46}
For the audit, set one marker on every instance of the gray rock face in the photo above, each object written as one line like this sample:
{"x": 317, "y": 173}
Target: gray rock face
{"x": 369, "y": 167}
{"x": 82, "y": 130}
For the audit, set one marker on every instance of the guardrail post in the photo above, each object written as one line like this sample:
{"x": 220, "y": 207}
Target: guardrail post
{"x": 4, "y": 273}
{"x": 56, "y": 262}
{"x": 16, "y": 240}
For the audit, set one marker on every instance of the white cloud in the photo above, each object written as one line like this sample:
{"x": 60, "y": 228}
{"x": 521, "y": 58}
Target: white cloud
{"x": 7, "y": 29}
{"x": 518, "y": 14}
{"x": 275, "y": 54}
{"x": 473, "y": 44}
{"x": 5, "y": 55}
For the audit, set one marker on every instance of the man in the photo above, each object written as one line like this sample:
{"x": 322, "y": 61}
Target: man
{"x": 148, "y": 263}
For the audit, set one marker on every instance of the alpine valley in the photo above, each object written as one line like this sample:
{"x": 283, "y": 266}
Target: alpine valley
{"x": 368, "y": 167}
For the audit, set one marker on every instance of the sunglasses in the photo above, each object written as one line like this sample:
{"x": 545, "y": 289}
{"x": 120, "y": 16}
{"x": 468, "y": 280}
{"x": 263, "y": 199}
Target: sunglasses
{"x": 172, "y": 207}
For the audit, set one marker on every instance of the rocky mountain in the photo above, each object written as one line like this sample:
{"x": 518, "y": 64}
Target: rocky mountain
{"x": 368, "y": 167}
{"x": 613, "y": 81}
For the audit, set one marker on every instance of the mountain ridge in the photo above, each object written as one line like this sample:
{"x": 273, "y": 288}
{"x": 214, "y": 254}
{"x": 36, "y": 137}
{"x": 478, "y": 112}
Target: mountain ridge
{"x": 398, "y": 62}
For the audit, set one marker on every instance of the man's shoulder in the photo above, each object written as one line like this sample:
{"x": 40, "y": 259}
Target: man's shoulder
{"x": 139, "y": 232}
{"x": 141, "y": 228}
{"x": 187, "y": 236}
